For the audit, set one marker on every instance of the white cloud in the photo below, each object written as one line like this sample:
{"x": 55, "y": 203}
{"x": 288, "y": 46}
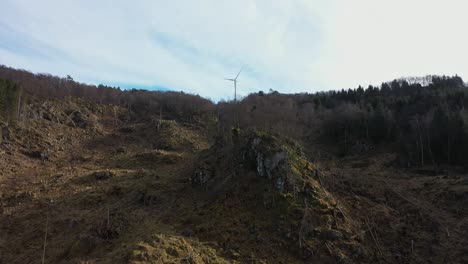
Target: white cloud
{"x": 371, "y": 41}
{"x": 286, "y": 45}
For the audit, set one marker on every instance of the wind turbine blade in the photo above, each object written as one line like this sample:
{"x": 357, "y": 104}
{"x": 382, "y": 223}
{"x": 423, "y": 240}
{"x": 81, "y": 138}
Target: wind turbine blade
{"x": 229, "y": 79}
{"x": 238, "y": 73}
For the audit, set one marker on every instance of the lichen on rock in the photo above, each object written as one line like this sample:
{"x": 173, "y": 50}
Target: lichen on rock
{"x": 274, "y": 159}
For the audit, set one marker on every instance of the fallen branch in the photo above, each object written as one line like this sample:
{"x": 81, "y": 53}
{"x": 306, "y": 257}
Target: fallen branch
{"x": 329, "y": 249}
{"x": 339, "y": 209}
{"x": 373, "y": 236}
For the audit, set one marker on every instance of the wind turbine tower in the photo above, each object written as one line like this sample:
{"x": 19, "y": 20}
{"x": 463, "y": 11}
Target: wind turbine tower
{"x": 235, "y": 84}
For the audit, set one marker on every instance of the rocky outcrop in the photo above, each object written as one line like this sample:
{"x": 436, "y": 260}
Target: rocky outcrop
{"x": 255, "y": 169}
{"x": 281, "y": 161}
{"x": 70, "y": 114}
{"x": 81, "y": 119}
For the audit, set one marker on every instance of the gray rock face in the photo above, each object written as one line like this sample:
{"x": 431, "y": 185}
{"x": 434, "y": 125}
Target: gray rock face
{"x": 256, "y": 141}
{"x": 280, "y": 183}
{"x": 269, "y": 165}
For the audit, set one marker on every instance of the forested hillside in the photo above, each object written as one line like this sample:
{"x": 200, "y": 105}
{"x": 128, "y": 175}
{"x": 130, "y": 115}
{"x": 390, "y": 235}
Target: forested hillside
{"x": 97, "y": 174}
{"x": 423, "y": 119}
{"x": 141, "y": 103}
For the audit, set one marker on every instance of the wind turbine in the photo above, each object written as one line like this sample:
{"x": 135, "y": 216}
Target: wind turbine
{"x": 235, "y": 84}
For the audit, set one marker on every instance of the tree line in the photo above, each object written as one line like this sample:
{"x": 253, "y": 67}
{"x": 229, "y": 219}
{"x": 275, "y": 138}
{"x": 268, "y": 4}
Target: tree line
{"x": 425, "y": 120}
{"x": 142, "y": 104}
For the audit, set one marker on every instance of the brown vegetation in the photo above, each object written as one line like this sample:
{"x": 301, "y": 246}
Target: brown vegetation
{"x": 98, "y": 175}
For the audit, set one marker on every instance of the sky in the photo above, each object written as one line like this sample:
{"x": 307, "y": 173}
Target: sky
{"x": 285, "y": 45}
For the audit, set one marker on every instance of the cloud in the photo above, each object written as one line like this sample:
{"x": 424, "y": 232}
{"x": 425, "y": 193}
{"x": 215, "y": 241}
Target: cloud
{"x": 286, "y": 45}
{"x": 373, "y": 41}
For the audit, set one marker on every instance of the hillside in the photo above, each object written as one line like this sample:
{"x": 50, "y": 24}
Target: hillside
{"x": 99, "y": 175}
